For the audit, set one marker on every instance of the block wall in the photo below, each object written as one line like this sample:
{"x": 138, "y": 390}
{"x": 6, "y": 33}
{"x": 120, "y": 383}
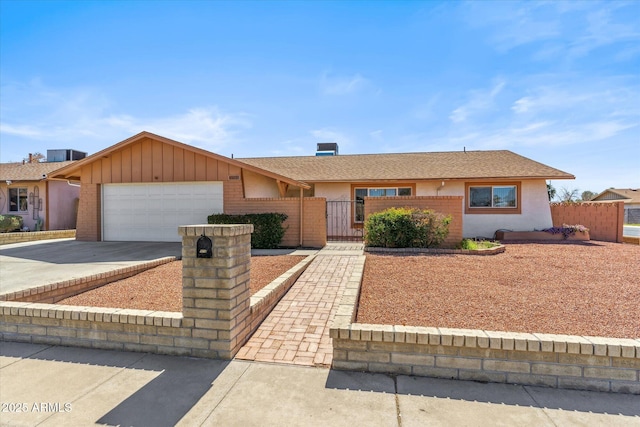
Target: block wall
{"x": 314, "y": 220}
{"x": 604, "y": 220}
{"x": 448, "y": 205}
{"x": 610, "y": 365}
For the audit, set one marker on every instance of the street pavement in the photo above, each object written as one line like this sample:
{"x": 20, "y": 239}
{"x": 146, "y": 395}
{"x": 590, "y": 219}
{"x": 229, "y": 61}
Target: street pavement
{"x": 62, "y": 386}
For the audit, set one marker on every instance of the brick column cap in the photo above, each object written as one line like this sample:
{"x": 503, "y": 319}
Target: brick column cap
{"x": 227, "y": 230}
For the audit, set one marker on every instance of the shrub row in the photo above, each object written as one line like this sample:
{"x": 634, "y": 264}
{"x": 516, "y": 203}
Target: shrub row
{"x": 268, "y": 230}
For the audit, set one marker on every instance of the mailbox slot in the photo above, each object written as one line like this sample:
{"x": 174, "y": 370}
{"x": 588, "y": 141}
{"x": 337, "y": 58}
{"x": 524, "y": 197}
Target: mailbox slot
{"x": 204, "y": 247}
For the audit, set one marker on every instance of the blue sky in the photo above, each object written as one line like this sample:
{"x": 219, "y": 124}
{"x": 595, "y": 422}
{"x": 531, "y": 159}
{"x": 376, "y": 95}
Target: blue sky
{"x": 558, "y": 81}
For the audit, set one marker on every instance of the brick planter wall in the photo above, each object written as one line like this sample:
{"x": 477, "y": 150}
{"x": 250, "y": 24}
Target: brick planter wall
{"x": 559, "y": 361}
{"x": 8, "y": 238}
{"x": 218, "y": 314}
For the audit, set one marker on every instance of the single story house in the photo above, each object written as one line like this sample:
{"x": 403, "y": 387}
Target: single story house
{"x": 630, "y": 197}
{"x": 43, "y": 204}
{"x": 145, "y": 186}
{"x": 499, "y": 189}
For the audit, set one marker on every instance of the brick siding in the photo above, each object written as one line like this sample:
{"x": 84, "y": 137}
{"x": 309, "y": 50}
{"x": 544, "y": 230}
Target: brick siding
{"x": 89, "y": 213}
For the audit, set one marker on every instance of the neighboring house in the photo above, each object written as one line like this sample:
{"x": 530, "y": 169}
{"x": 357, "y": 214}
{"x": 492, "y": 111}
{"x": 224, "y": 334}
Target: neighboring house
{"x": 500, "y": 189}
{"x": 43, "y": 204}
{"x": 630, "y": 197}
{"x": 144, "y": 187}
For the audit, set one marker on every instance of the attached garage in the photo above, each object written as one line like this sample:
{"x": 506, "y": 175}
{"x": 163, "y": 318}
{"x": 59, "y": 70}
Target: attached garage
{"x": 152, "y": 212}
{"x": 145, "y": 187}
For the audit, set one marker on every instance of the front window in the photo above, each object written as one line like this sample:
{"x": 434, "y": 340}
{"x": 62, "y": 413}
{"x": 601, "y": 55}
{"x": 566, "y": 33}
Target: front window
{"x": 361, "y": 193}
{"x": 493, "y": 196}
{"x": 18, "y": 200}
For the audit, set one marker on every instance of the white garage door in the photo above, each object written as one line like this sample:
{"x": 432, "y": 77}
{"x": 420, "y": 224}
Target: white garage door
{"x": 152, "y": 212}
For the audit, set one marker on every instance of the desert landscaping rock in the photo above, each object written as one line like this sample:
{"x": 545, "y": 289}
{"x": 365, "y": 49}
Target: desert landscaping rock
{"x": 573, "y": 288}
{"x": 160, "y": 288}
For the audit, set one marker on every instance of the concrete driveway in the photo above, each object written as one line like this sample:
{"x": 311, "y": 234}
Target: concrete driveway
{"x": 32, "y": 264}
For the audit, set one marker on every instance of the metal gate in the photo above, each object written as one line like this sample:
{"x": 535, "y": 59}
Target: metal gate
{"x": 341, "y": 220}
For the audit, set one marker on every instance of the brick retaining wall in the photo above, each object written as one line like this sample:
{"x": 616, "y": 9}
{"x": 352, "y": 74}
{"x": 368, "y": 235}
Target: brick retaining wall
{"x": 559, "y": 361}
{"x": 8, "y": 238}
{"x": 205, "y": 328}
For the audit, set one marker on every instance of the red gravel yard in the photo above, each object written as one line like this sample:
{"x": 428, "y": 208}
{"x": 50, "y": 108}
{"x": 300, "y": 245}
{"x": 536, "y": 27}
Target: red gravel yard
{"x": 160, "y": 288}
{"x": 574, "y": 289}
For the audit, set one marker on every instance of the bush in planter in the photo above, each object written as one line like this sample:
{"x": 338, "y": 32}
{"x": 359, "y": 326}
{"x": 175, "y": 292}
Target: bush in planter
{"x": 10, "y": 223}
{"x": 268, "y": 230}
{"x": 406, "y": 228}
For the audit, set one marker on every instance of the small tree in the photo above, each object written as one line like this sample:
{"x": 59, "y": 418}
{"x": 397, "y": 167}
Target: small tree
{"x": 588, "y": 195}
{"x": 551, "y": 192}
{"x": 569, "y": 196}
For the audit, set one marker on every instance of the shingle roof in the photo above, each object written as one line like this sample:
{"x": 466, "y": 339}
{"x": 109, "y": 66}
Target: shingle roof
{"x": 408, "y": 166}
{"x": 29, "y": 171}
{"x": 629, "y": 195}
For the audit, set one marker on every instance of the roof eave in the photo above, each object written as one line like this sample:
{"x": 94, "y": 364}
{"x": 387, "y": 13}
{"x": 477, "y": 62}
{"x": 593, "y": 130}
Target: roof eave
{"x": 67, "y": 172}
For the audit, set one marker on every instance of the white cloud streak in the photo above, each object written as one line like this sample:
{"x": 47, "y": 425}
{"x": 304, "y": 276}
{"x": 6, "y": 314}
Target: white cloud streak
{"x": 85, "y": 116}
{"x": 479, "y": 102}
{"x": 559, "y": 30}
{"x": 342, "y": 85}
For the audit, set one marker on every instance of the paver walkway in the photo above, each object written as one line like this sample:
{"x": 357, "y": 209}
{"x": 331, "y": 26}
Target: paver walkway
{"x": 297, "y": 330}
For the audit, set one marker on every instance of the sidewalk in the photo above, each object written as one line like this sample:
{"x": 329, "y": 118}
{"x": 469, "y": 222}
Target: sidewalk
{"x": 57, "y": 386}
{"x": 297, "y": 330}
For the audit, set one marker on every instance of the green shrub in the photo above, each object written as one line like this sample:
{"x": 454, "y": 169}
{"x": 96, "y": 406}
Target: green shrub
{"x": 406, "y": 228}
{"x": 10, "y": 223}
{"x": 267, "y": 227}
{"x": 475, "y": 244}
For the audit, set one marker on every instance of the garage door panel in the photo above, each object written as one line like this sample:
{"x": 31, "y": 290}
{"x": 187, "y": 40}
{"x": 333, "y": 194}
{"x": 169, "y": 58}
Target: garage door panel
{"x": 153, "y": 212}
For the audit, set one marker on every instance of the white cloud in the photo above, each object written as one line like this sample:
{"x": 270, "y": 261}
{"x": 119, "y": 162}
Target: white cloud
{"x": 513, "y": 24}
{"x": 479, "y": 101}
{"x": 73, "y": 116}
{"x": 341, "y": 85}
{"x": 20, "y": 130}
{"x": 198, "y": 126}
{"x": 557, "y": 29}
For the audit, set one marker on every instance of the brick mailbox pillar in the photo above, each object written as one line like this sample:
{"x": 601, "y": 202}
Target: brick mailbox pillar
{"x": 215, "y": 290}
